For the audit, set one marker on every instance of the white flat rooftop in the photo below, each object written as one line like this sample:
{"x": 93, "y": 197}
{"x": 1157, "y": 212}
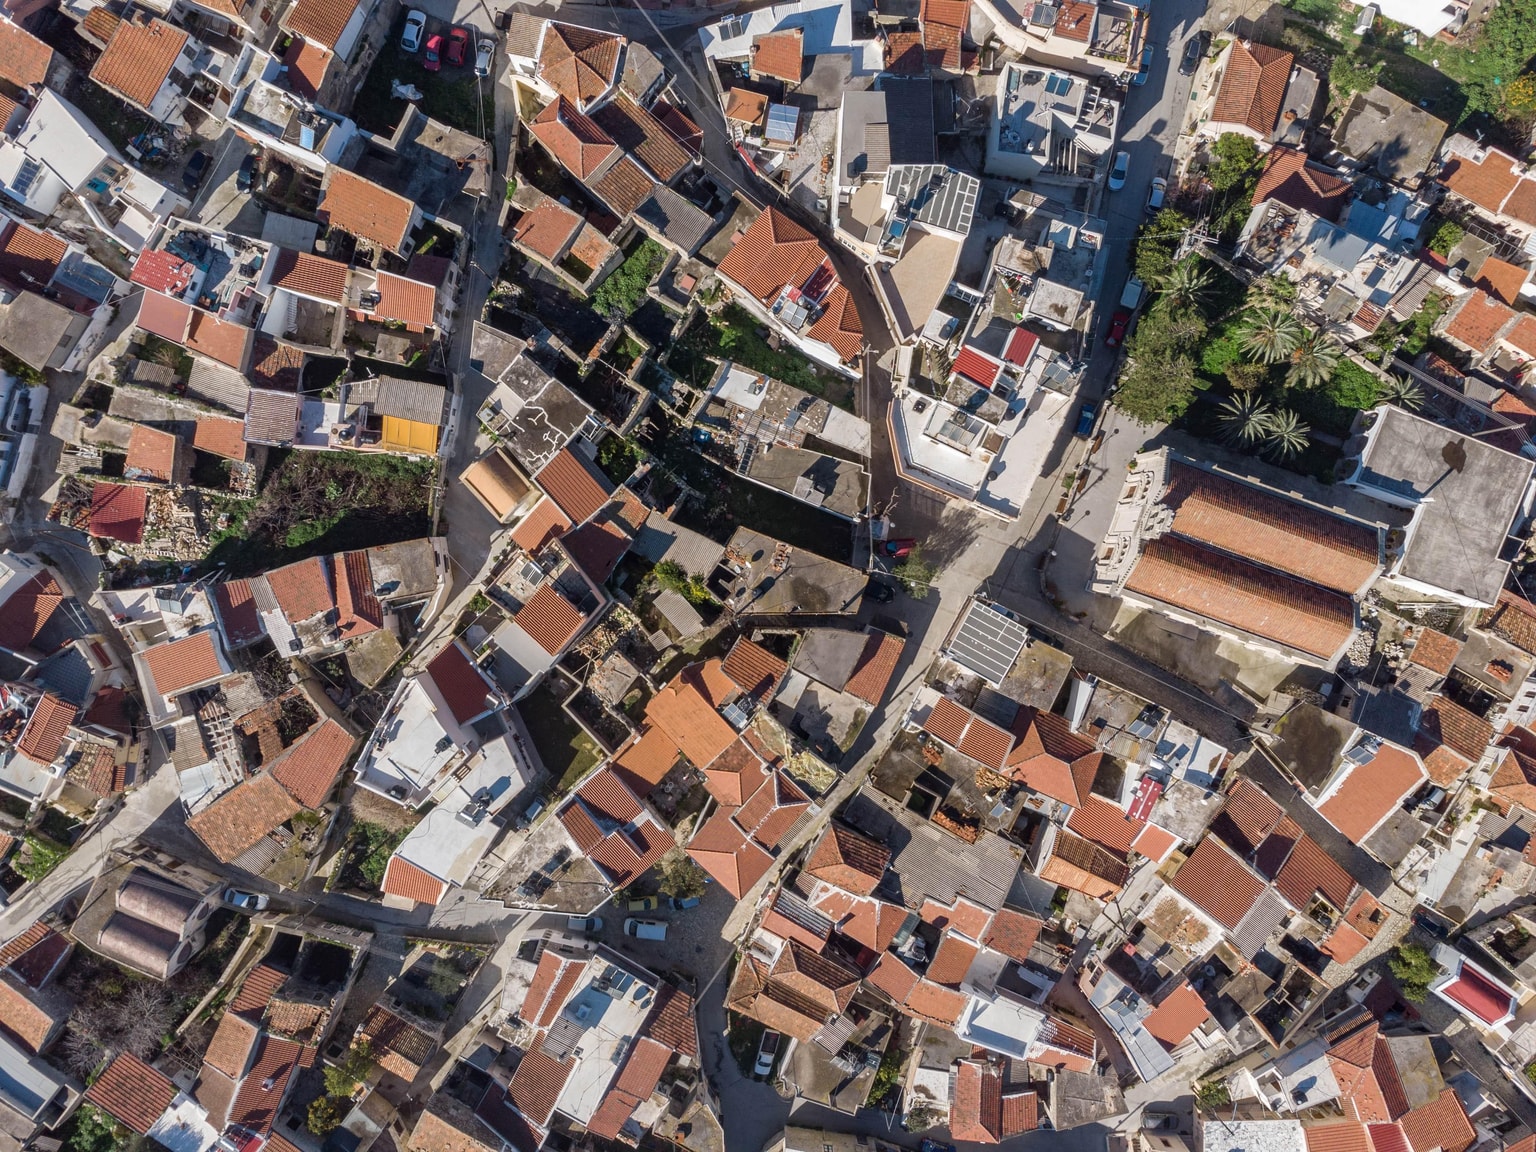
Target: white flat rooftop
{"x": 407, "y": 750}
{"x": 828, "y": 28}
{"x": 611, "y": 1019}
{"x": 448, "y": 847}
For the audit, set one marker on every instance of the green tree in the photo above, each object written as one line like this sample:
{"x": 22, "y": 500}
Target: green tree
{"x": 1351, "y": 73}
{"x": 1245, "y": 376}
{"x": 1414, "y": 969}
{"x": 681, "y": 877}
{"x": 915, "y": 574}
{"x": 1446, "y": 236}
{"x": 1312, "y": 360}
{"x": 1187, "y": 285}
{"x": 342, "y": 1079}
{"x": 1401, "y": 391}
{"x": 1287, "y": 435}
{"x": 1154, "y": 390}
{"x": 1270, "y": 335}
{"x": 1245, "y": 418}
{"x": 1234, "y": 158}
{"x": 324, "y": 1116}
{"x": 95, "y": 1131}
{"x": 1156, "y": 242}
{"x": 1270, "y": 291}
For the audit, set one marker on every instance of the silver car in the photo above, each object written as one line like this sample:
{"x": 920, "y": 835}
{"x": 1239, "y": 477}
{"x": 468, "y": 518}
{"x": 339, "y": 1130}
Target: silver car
{"x": 415, "y": 30}
{"x": 485, "y": 52}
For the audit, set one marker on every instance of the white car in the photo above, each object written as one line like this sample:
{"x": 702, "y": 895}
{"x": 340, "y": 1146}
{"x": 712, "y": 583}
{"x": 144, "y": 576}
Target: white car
{"x": 1159, "y": 191}
{"x": 415, "y": 30}
{"x": 249, "y": 901}
{"x": 485, "y": 52}
{"x": 767, "y": 1052}
{"x": 1119, "y": 170}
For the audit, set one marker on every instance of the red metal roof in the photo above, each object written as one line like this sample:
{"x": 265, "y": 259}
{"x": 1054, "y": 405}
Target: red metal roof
{"x": 463, "y": 686}
{"x": 1479, "y": 995}
{"x": 976, "y": 367}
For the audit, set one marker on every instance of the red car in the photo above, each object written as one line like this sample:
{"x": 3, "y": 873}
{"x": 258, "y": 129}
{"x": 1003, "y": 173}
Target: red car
{"x": 1118, "y": 323}
{"x": 434, "y": 58}
{"x": 458, "y": 47}
{"x": 900, "y": 549}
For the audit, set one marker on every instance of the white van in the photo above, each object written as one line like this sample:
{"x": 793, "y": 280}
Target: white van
{"x": 645, "y": 929}
{"x": 1134, "y": 291}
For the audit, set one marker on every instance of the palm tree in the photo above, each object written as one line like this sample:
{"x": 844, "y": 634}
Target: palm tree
{"x": 1245, "y": 417}
{"x": 1312, "y": 359}
{"x": 1187, "y": 284}
{"x": 1270, "y": 335}
{"x": 1401, "y": 391}
{"x": 1286, "y": 435}
{"x": 1271, "y": 292}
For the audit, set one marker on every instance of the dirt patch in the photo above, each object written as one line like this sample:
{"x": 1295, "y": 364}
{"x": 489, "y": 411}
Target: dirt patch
{"x": 375, "y": 809}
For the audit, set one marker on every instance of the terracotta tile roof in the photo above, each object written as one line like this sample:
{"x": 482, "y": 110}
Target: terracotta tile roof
{"x": 47, "y": 726}
{"x": 944, "y": 23}
{"x": 1217, "y": 883}
{"x": 1308, "y": 870}
{"x": 577, "y": 488}
{"x": 309, "y": 769}
{"x": 1477, "y": 323}
{"x": 404, "y": 879}
{"x": 968, "y": 733}
{"x": 1253, "y": 87}
{"x": 875, "y": 667}
{"x": 302, "y": 589}
{"x": 322, "y": 21}
{"x": 365, "y": 210}
{"x": 256, "y": 991}
{"x": 755, "y": 670}
{"x": 679, "y": 126}
{"x": 981, "y": 1113}
{"x": 405, "y": 300}
{"x": 462, "y": 685}
{"x": 275, "y": 365}
{"x": 536, "y": 1085}
{"x": 952, "y": 960}
{"x": 1501, "y": 280}
{"x": 596, "y": 548}
{"x": 780, "y": 55}
{"x": 688, "y": 720}
{"x": 553, "y": 981}
{"x": 1514, "y": 777}
{"x": 1281, "y": 534}
{"x": 773, "y": 811}
{"x": 624, "y": 187}
{"x": 745, "y": 107}
{"x": 132, "y": 1092}
{"x": 848, "y": 859}
{"x": 550, "y": 619}
{"x": 1486, "y": 183}
{"x": 138, "y": 59}
{"x": 24, "y": 59}
{"x": 29, "y": 258}
{"x": 1288, "y": 178}
{"x": 547, "y": 229}
{"x": 221, "y": 340}
{"x": 307, "y": 65}
{"x": 230, "y": 1049}
{"x": 543, "y": 523}
{"x": 235, "y": 604}
{"x": 1012, "y": 933}
{"x": 1155, "y": 843}
{"x": 772, "y": 253}
{"x": 398, "y": 1046}
{"x": 640, "y": 134}
{"x": 1514, "y": 619}
{"x": 1522, "y": 335}
{"x": 308, "y": 274}
{"x": 1522, "y": 202}
{"x": 581, "y": 64}
{"x": 646, "y": 760}
{"x": 574, "y": 139}
{"x": 1343, "y": 943}
{"x": 1177, "y": 1016}
{"x": 904, "y": 54}
{"x": 671, "y": 1021}
{"x": 177, "y": 665}
{"x": 34, "y": 955}
{"x": 723, "y": 850}
{"x": 1435, "y": 651}
{"x": 1074, "y": 20}
{"x": 220, "y": 435}
{"x": 164, "y": 317}
{"x": 151, "y": 454}
{"x": 99, "y": 24}
{"x": 262, "y": 1091}
{"x": 358, "y": 611}
{"x": 1442, "y": 1124}
{"x": 1343, "y": 1136}
{"x": 1371, "y": 791}
{"x": 238, "y": 820}
{"x": 1105, "y": 824}
{"x": 27, "y": 609}
{"x": 839, "y": 324}
{"x": 1236, "y": 593}
{"x": 33, "y": 1025}
{"x": 1447, "y": 727}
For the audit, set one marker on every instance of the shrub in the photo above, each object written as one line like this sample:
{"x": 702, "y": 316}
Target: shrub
{"x": 1414, "y": 968}
{"x": 1352, "y": 386}
{"x": 43, "y": 856}
{"x": 1350, "y": 74}
{"x": 95, "y": 1131}
{"x": 324, "y": 1117}
{"x": 681, "y": 877}
{"x": 915, "y": 574}
{"x": 1446, "y": 237}
{"x": 624, "y": 289}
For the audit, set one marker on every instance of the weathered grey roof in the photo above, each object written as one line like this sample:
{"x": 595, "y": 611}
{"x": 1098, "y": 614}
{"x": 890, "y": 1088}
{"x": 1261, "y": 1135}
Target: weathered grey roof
{"x": 289, "y": 231}
{"x": 523, "y": 32}
{"x": 214, "y": 383}
{"x": 1396, "y": 136}
{"x": 661, "y": 539}
{"x": 679, "y": 613}
{"x": 404, "y": 571}
{"x": 1254, "y": 929}
{"x": 642, "y": 69}
{"x": 271, "y": 417}
{"x": 139, "y": 944}
{"x": 32, "y": 328}
{"x": 828, "y": 655}
{"x": 889, "y": 125}
{"x": 416, "y": 400}
{"x": 675, "y": 219}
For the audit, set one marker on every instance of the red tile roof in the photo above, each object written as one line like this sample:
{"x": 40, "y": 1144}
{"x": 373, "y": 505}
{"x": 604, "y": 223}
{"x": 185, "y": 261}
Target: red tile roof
{"x": 981, "y": 1113}
{"x": 1012, "y": 933}
{"x": 644, "y": 137}
{"x": 221, "y": 340}
{"x": 624, "y": 187}
{"x": 577, "y": 488}
{"x": 27, "y": 609}
{"x": 1074, "y": 20}
{"x": 47, "y": 726}
{"x": 1521, "y": 203}
{"x": 646, "y": 761}
{"x": 1177, "y": 1016}
{"x": 682, "y": 129}
{"x": 24, "y": 59}
{"x": 1217, "y": 883}
{"x": 780, "y": 55}
{"x": 1450, "y": 739}
{"x": 34, "y": 956}
{"x": 1288, "y": 178}
{"x": 543, "y": 523}
{"x": 536, "y": 1085}
{"x": 904, "y": 54}
{"x": 241, "y": 818}
{"x": 875, "y": 667}
{"x": 463, "y": 687}
{"x": 1343, "y": 1136}
{"x": 952, "y": 961}
{"x": 405, "y": 300}
{"x": 235, "y": 604}
{"x": 977, "y": 367}
{"x": 221, "y": 436}
{"x": 772, "y": 253}
{"x": 163, "y": 271}
{"x": 1486, "y": 183}
{"x": 848, "y": 859}
{"x": 1371, "y": 791}
{"x": 581, "y": 64}
{"x": 1501, "y": 280}
{"x": 309, "y": 769}
{"x": 550, "y": 619}
{"x": 1479, "y": 320}
{"x": 696, "y": 728}
{"x": 1442, "y": 1124}
{"x": 969, "y": 733}
{"x": 29, "y": 258}
{"x": 358, "y": 611}
{"x": 262, "y": 1090}
{"x": 322, "y": 21}
{"x": 180, "y": 664}
{"x": 151, "y": 454}
{"x": 26, "y": 1019}
{"x": 1105, "y": 824}
{"x": 138, "y": 59}
{"x": 308, "y": 274}
{"x": 302, "y": 589}
{"x": 1435, "y": 651}
{"x": 1253, "y": 87}
{"x": 307, "y": 65}
{"x": 1309, "y": 870}
{"x": 839, "y": 324}
{"x": 132, "y": 1092}
{"x": 575, "y": 140}
{"x": 724, "y": 851}
{"x": 404, "y": 879}
{"x": 755, "y": 670}
{"x": 365, "y": 210}
{"x": 164, "y": 317}
{"x": 1236, "y": 593}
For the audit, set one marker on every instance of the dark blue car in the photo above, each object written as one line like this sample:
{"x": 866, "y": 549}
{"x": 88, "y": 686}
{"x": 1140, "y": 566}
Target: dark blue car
{"x": 1085, "y": 417}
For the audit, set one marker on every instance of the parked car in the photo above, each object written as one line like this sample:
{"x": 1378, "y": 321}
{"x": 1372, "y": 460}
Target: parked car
{"x": 1118, "y": 323}
{"x": 245, "y": 177}
{"x": 432, "y": 61}
{"x": 250, "y": 901}
{"x": 644, "y": 904}
{"x": 1431, "y": 797}
{"x": 899, "y": 549}
{"x": 682, "y": 904}
{"x": 880, "y": 592}
{"x": 458, "y": 47}
{"x": 1119, "y": 171}
{"x": 197, "y": 167}
{"x": 766, "y": 1051}
{"x": 415, "y": 29}
{"x": 1085, "y": 417}
{"x": 1156, "y": 196}
{"x": 1146, "y": 67}
{"x": 586, "y": 925}
{"x": 645, "y": 929}
{"x": 484, "y": 54}
{"x": 1195, "y": 49}
{"x": 1131, "y": 298}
